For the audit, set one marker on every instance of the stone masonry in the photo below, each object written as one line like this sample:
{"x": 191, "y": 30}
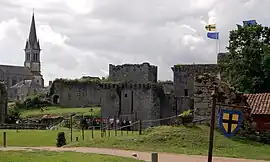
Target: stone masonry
{"x": 3, "y": 103}
{"x": 75, "y": 93}
{"x": 139, "y": 73}
{"x": 131, "y": 102}
{"x": 184, "y": 82}
{"x": 133, "y": 93}
{"x": 227, "y": 98}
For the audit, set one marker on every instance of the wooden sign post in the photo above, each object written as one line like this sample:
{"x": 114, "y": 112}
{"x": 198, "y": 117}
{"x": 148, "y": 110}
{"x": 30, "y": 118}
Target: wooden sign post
{"x": 212, "y": 126}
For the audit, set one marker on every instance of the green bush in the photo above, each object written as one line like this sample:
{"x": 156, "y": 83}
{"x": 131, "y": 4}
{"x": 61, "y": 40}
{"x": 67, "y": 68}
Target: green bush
{"x": 186, "y": 113}
{"x": 33, "y": 102}
{"x": 13, "y": 115}
{"x": 263, "y": 137}
{"x": 61, "y": 139}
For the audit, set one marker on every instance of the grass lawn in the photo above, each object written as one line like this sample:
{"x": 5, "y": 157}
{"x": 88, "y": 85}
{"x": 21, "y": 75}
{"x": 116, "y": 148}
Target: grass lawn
{"x": 184, "y": 140}
{"x": 60, "y": 111}
{"x": 44, "y": 156}
{"x": 48, "y": 137}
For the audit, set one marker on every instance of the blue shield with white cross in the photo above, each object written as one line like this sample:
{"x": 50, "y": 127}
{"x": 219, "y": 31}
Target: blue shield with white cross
{"x": 230, "y": 121}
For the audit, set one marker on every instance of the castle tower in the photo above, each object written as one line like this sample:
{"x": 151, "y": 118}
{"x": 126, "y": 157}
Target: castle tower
{"x": 32, "y": 53}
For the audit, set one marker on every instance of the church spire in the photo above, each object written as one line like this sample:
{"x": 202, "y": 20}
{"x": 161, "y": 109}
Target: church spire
{"x": 33, "y": 35}
{"x": 32, "y": 41}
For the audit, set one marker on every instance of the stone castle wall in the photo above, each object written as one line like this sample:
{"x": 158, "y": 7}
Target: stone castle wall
{"x": 133, "y": 73}
{"x": 131, "y": 102}
{"x": 76, "y": 94}
{"x": 3, "y": 103}
{"x": 227, "y": 98}
{"x": 184, "y": 82}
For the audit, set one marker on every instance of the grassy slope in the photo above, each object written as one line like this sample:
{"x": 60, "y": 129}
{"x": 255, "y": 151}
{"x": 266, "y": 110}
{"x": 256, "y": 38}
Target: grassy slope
{"x": 184, "y": 140}
{"x": 44, "y": 156}
{"x": 60, "y": 111}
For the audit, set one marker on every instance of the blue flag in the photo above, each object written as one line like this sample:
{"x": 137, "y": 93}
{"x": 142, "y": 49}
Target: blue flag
{"x": 249, "y": 22}
{"x": 213, "y": 35}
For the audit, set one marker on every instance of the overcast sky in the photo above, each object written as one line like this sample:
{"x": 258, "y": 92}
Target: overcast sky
{"x": 81, "y": 37}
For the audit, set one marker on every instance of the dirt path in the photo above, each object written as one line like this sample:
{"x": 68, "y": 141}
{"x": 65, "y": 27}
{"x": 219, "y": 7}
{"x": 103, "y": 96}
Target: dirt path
{"x": 146, "y": 156}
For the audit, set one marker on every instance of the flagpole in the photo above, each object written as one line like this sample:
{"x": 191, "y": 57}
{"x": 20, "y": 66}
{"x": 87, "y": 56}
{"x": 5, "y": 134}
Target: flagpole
{"x": 217, "y": 38}
{"x": 218, "y": 45}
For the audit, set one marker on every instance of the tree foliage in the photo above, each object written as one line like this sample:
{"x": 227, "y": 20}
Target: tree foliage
{"x": 247, "y": 64}
{"x": 33, "y": 102}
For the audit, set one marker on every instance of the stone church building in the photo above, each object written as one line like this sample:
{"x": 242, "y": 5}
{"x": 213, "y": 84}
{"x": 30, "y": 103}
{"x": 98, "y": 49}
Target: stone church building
{"x": 15, "y": 77}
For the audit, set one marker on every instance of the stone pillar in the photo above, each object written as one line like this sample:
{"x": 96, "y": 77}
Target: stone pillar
{"x": 3, "y": 103}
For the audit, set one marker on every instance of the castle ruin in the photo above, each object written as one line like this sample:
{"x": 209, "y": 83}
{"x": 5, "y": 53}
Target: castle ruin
{"x": 132, "y": 91}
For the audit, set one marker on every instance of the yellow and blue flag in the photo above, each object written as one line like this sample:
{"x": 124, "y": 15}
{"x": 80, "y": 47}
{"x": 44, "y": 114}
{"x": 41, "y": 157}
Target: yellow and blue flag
{"x": 210, "y": 27}
{"x": 213, "y": 35}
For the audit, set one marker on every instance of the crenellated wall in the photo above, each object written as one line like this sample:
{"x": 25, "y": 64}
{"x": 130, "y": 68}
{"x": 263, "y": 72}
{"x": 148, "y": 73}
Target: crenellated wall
{"x": 76, "y": 94}
{"x": 133, "y": 73}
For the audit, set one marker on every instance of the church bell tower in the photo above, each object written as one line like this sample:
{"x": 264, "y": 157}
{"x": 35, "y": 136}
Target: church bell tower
{"x": 32, "y": 53}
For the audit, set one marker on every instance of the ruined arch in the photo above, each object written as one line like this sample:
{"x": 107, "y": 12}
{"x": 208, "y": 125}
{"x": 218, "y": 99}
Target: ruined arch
{"x": 56, "y": 99}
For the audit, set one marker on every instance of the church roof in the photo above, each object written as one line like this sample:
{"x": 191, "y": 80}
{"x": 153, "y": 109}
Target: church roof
{"x": 19, "y": 70}
{"x": 28, "y": 83}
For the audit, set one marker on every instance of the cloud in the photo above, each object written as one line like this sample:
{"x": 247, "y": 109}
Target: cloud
{"x": 81, "y": 37}
{"x": 80, "y": 6}
{"x": 48, "y": 35}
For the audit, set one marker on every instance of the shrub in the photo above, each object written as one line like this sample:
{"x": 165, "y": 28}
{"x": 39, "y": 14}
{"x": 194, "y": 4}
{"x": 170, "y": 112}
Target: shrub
{"x": 33, "y": 102}
{"x": 13, "y": 115}
{"x": 186, "y": 113}
{"x": 61, "y": 139}
{"x": 184, "y": 118}
{"x": 264, "y": 137}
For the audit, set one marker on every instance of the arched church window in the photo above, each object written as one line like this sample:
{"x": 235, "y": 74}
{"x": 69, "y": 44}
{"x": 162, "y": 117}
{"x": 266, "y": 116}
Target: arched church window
{"x": 28, "y": 56}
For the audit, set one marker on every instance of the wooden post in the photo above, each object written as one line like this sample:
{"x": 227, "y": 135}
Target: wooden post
{"x": 5, "y": 138}
{"x": 70, "y": 128}
{"x": 101, "y": 127}
{"x": 212, "y": 126}
{"x": 82, "y": 127}
{"x": 140, "y": 127}
{"x": 115, "y": 127}
{"x": 93, "y": 132}
{"x": 154, "y": 157}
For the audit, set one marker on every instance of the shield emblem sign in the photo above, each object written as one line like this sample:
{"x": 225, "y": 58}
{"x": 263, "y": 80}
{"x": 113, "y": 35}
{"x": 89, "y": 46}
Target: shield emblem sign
{"x": 230, "y": 121}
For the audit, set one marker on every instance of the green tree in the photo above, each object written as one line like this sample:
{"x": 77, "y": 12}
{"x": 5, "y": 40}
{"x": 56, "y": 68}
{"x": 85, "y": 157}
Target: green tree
{"x": 247, "y": 64}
